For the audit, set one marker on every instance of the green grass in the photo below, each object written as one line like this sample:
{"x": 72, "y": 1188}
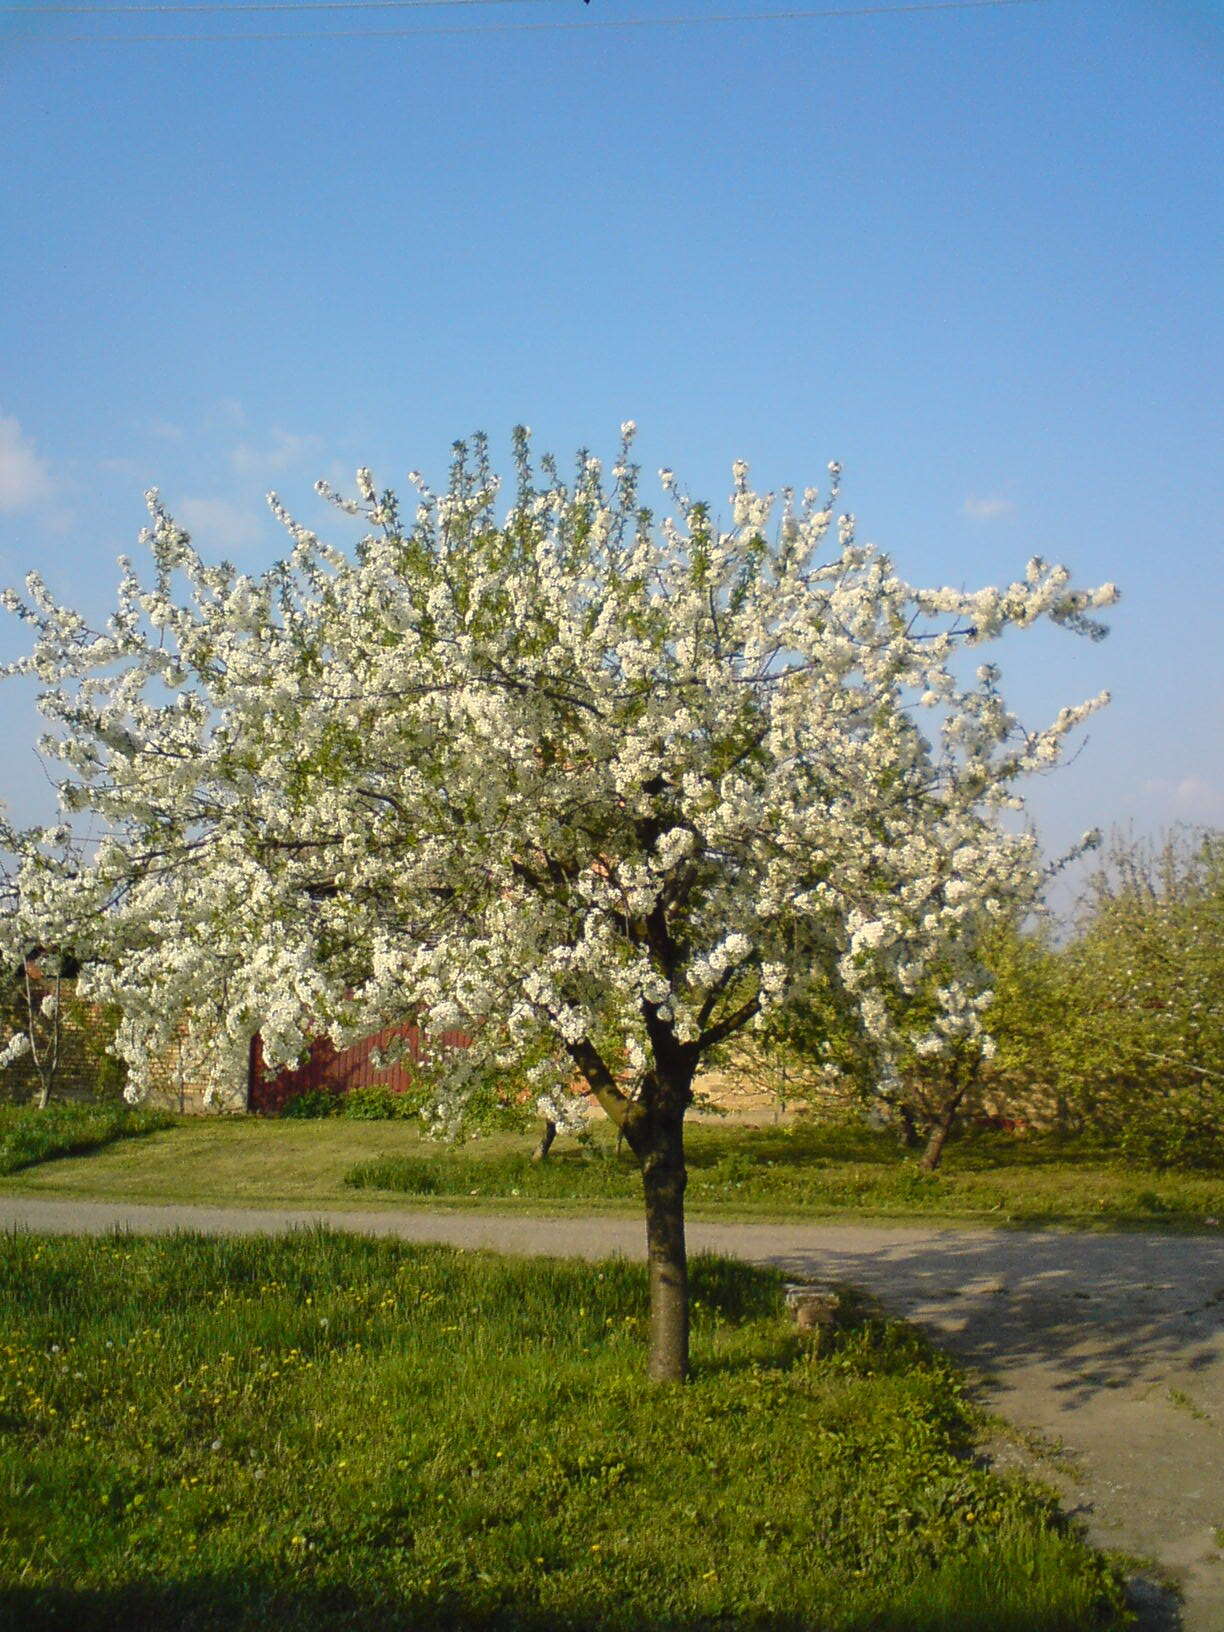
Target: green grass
{"x": 791, "y": 1170}
{"x": 29, "y": 1136}
{"x": 808, "y": 1169}
{"x": 327, "y": 1432}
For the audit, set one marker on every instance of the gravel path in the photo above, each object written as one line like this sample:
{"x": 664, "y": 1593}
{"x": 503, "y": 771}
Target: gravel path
{"x": 1107, "y": 1349}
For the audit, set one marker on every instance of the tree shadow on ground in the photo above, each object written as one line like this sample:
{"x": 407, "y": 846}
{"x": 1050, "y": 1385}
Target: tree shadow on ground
{"x": 1096, "y": 1316}
{"x": 240, "y": 1603}
{"x": 1095, "y": 1310}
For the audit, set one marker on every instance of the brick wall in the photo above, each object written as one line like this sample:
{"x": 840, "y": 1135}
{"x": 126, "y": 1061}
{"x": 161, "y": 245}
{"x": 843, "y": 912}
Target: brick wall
{"x": 82, "y": 1069}
{"x": 85, "y": 1069}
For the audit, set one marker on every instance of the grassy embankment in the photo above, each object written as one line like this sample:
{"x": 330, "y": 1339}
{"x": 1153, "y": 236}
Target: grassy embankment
{"x": 327, "y": 1432}
{"x": 804, "y": 1169}
{"x": 30, "y": 1137}
{"x": 793, "y": 1170}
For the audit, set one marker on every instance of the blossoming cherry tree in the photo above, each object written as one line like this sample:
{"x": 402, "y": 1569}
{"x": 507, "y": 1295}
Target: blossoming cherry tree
{"x": 598, "y": 788}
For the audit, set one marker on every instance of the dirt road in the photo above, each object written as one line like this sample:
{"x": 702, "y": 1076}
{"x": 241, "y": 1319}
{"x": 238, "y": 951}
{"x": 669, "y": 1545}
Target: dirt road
{"x": 1110, "y": 1348}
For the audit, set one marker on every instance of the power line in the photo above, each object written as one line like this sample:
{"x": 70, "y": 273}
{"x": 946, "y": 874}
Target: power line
{"x": 241, "y": 37}
{"x": 255, "y": 5}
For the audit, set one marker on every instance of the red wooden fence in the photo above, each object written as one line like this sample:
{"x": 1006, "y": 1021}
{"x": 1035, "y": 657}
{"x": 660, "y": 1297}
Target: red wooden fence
{"x": 339, "y": 1071}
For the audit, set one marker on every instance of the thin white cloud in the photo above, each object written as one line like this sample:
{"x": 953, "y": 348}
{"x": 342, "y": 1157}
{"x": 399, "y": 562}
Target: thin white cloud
{"x": 1190, "y": 799}
{"x": 222, "y": 524}
{"x": 282, "y": 452}
{"x": 165, "y": 431}
{"x": 988, "y": 506}
{"x": 25, "y": 477}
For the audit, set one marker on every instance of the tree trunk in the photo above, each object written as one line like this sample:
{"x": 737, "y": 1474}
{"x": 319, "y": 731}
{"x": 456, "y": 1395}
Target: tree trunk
{"x": 940, "y": 1130}
{"x": 547, "y": 1134}
{"x": 43, "y": 1097}
{"x": 663, "y": 1179}
{"x": 909, "y": 1127}
{"x": 652, "y": 1121}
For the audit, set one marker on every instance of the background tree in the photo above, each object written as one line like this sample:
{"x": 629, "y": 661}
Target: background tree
{"x": 1116, "y": 1030}
{"x": 1140, "y": 1051}
{"x": 813, "y": 1053}
{"x": 817, "y": 1052}
{"x": 1016, "y": 1068}
{"x": 599, "y": 791}
{"x": 1034, "y": 1004}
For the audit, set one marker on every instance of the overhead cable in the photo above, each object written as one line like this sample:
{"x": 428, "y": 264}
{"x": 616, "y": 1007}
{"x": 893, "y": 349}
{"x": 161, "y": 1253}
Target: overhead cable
{"x": 239, "y": 37}
{"x": 182, "y": 8}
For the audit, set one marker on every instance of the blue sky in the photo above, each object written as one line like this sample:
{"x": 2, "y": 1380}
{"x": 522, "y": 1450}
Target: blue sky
{"x": 972, "y": 252}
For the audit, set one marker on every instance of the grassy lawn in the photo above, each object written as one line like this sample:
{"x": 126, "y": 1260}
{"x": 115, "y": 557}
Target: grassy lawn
{"x": 228, "y": 1161}
{"x": 792, "y": 1170}
{"x": 329, "y": 1432}
{"x": 30, "y": 1137}
{"x": 801, "y": 1169}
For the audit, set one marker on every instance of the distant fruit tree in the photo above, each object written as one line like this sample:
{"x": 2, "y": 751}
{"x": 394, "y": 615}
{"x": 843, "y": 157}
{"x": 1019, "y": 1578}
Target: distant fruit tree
{"x": 598, "y": 787}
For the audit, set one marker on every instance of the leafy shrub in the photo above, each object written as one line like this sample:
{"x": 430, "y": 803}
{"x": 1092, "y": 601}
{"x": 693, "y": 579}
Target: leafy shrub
{"x": 373, "y": 1103}
{"x": 378, "y": 1103}
{"x": 1180, "y": 1128}
{"x": 312, "y": 1104}
{"x": 495, "y": 1105}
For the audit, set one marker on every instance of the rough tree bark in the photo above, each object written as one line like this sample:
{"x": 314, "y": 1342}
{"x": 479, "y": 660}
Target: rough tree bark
{"x": 940, "y": 1129}
{"x": 657, "y": 1140}
{"x": 44, "y": 1056}
{"x": 965, "y": 1077}
{"x": 547, "y": 1134}
{"x": 652, "y": 1124}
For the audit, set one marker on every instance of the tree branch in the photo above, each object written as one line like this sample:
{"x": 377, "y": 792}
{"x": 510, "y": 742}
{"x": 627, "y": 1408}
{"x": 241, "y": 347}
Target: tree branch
{"x": 726, "y": 1028}
{"x": 590, "y": 1062}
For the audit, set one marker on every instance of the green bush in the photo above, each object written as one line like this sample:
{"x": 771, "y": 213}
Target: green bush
{"x": 493, "y": 1105}
{"x": 1179, "y": 1129}
{"x": 378, "y": 1103}
{"x": 312, "y": 1104}
{"x": 374, "y": 1103}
